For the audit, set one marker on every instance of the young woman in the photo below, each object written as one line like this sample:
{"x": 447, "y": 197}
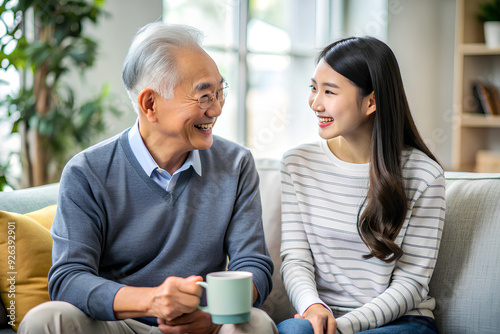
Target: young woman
{"x": 363, "y": 208}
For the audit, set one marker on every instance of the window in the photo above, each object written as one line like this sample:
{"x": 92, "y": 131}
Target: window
{"x": 266, "y": 50}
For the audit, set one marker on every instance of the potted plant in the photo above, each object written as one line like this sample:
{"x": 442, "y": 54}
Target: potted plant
{"x": 489, "y": 14}
{"x": 50, "y": 41}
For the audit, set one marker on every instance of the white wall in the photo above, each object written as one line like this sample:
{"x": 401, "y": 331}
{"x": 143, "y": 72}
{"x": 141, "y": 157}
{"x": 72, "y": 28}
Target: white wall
{"x": 365, "y": 18}
{"x": 114, "y": 35}
{"x": 421, "y": 34}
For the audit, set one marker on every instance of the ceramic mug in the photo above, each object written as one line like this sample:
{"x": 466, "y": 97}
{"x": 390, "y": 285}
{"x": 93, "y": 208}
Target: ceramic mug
{"x": 229, "y": 296}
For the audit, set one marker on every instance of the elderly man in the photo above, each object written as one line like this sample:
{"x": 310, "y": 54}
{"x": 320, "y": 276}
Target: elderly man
{"x": 143, "y": 216}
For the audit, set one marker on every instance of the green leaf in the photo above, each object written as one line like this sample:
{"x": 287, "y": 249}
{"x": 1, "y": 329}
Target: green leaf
{"x": 15, "y": 127}
{"x": 489, "y": 11}
{"x": 65, "y": 46}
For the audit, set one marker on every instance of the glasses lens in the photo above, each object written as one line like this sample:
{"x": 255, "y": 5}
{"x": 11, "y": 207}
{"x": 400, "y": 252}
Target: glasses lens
{"x": 205, "y": 101}
{"x": 222, "y": 94}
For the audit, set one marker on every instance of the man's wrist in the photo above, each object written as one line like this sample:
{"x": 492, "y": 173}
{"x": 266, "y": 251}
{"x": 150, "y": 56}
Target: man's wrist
{"x": 132, "y": 302}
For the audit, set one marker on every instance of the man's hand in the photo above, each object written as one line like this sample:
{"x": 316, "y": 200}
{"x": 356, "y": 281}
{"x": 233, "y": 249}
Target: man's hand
{"x": 197, "y": 322}
{"x": 175, "y": 297}
{"x": 321, "y": 319}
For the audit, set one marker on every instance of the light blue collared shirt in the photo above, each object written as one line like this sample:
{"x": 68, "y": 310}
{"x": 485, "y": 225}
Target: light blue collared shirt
{"x": 159, "y": 175}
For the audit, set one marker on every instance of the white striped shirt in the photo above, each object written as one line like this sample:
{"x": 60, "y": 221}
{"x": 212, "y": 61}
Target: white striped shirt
{"x": 322, "y": 250}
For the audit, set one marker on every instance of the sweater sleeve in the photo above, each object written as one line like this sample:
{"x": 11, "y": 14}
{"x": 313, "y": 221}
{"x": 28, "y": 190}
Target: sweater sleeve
{"x": 244, "y": 240}
{"x": 409, "y": 285}
{"x": 297, "y": 267}
{"x": 77, "y": 234}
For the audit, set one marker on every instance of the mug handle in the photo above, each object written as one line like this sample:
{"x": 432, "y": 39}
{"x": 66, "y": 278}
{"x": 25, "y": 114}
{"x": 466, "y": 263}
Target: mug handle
{"x": 203, "y": 285}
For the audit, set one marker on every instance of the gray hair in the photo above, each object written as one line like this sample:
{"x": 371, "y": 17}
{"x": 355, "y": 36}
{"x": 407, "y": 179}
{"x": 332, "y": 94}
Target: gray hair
{"x": 151, "y": 63}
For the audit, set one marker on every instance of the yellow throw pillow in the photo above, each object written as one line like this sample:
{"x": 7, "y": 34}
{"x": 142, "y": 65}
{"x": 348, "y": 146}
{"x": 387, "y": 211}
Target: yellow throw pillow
{"x": 25, "y": 260}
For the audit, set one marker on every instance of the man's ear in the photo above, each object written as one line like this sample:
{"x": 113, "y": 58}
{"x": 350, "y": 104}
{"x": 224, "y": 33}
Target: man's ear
{"x": 146, "y": 102}
{"x": 371, "y": 103}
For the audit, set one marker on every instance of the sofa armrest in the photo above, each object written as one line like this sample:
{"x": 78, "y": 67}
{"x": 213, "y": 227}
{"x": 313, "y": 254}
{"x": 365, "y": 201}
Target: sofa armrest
{"x": 23, "y": 201}
{"x": 29, "y": 199}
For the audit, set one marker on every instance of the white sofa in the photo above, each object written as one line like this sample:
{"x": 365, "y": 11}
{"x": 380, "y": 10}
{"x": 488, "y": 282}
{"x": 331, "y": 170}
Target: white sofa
{"x": 466, "y": 282}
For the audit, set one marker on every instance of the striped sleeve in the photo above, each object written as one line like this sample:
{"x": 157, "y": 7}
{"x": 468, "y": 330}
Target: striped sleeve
{"x": 297, "y": 268}
{"x": 409, "y": 287}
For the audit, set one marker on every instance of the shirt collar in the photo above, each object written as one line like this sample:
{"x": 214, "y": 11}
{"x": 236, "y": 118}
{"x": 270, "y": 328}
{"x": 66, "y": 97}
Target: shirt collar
{"x": 146, "y": 160}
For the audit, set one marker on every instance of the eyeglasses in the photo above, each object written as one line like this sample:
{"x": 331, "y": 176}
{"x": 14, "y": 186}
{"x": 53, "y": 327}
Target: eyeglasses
{"x": 207, "y": 100}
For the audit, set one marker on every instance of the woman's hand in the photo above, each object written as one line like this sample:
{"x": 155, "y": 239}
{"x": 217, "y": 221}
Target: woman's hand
{"x": 321, "y": 319}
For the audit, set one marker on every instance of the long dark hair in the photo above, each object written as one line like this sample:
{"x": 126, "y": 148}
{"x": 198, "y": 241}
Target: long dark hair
{"x": 372, "y": 67}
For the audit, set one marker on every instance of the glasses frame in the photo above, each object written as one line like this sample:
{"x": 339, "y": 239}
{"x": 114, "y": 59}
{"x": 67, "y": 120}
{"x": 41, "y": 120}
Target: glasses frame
{"x": 207, "y": 100}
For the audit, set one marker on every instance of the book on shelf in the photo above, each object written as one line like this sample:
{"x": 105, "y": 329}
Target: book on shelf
{"x": 487, "y": 98}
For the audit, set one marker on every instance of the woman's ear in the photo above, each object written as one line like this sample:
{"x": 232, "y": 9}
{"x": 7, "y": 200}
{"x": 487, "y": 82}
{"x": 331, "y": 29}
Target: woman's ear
{"x": 146, "y": 102}
{"x": 371, "y": 103}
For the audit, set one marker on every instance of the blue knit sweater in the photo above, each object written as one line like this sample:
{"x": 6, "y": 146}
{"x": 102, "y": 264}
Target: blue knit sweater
{"x": 115, "y": 226}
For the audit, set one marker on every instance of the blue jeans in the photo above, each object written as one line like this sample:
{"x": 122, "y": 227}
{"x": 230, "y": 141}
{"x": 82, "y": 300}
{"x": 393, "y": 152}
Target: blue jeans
{"x": 403, "y": 325}
{"x": 295, "y": 326}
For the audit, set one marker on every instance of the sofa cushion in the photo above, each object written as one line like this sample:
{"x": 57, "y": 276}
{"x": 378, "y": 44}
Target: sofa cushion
{"x": 3, "y": 316}
{"x": 26, "y": 253}
{"x": 466, "y": 279}
{"x": 277, "y": 305}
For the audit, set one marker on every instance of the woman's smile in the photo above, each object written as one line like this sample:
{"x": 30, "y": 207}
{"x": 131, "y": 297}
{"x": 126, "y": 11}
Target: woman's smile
{"x": 324, "y": 121}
